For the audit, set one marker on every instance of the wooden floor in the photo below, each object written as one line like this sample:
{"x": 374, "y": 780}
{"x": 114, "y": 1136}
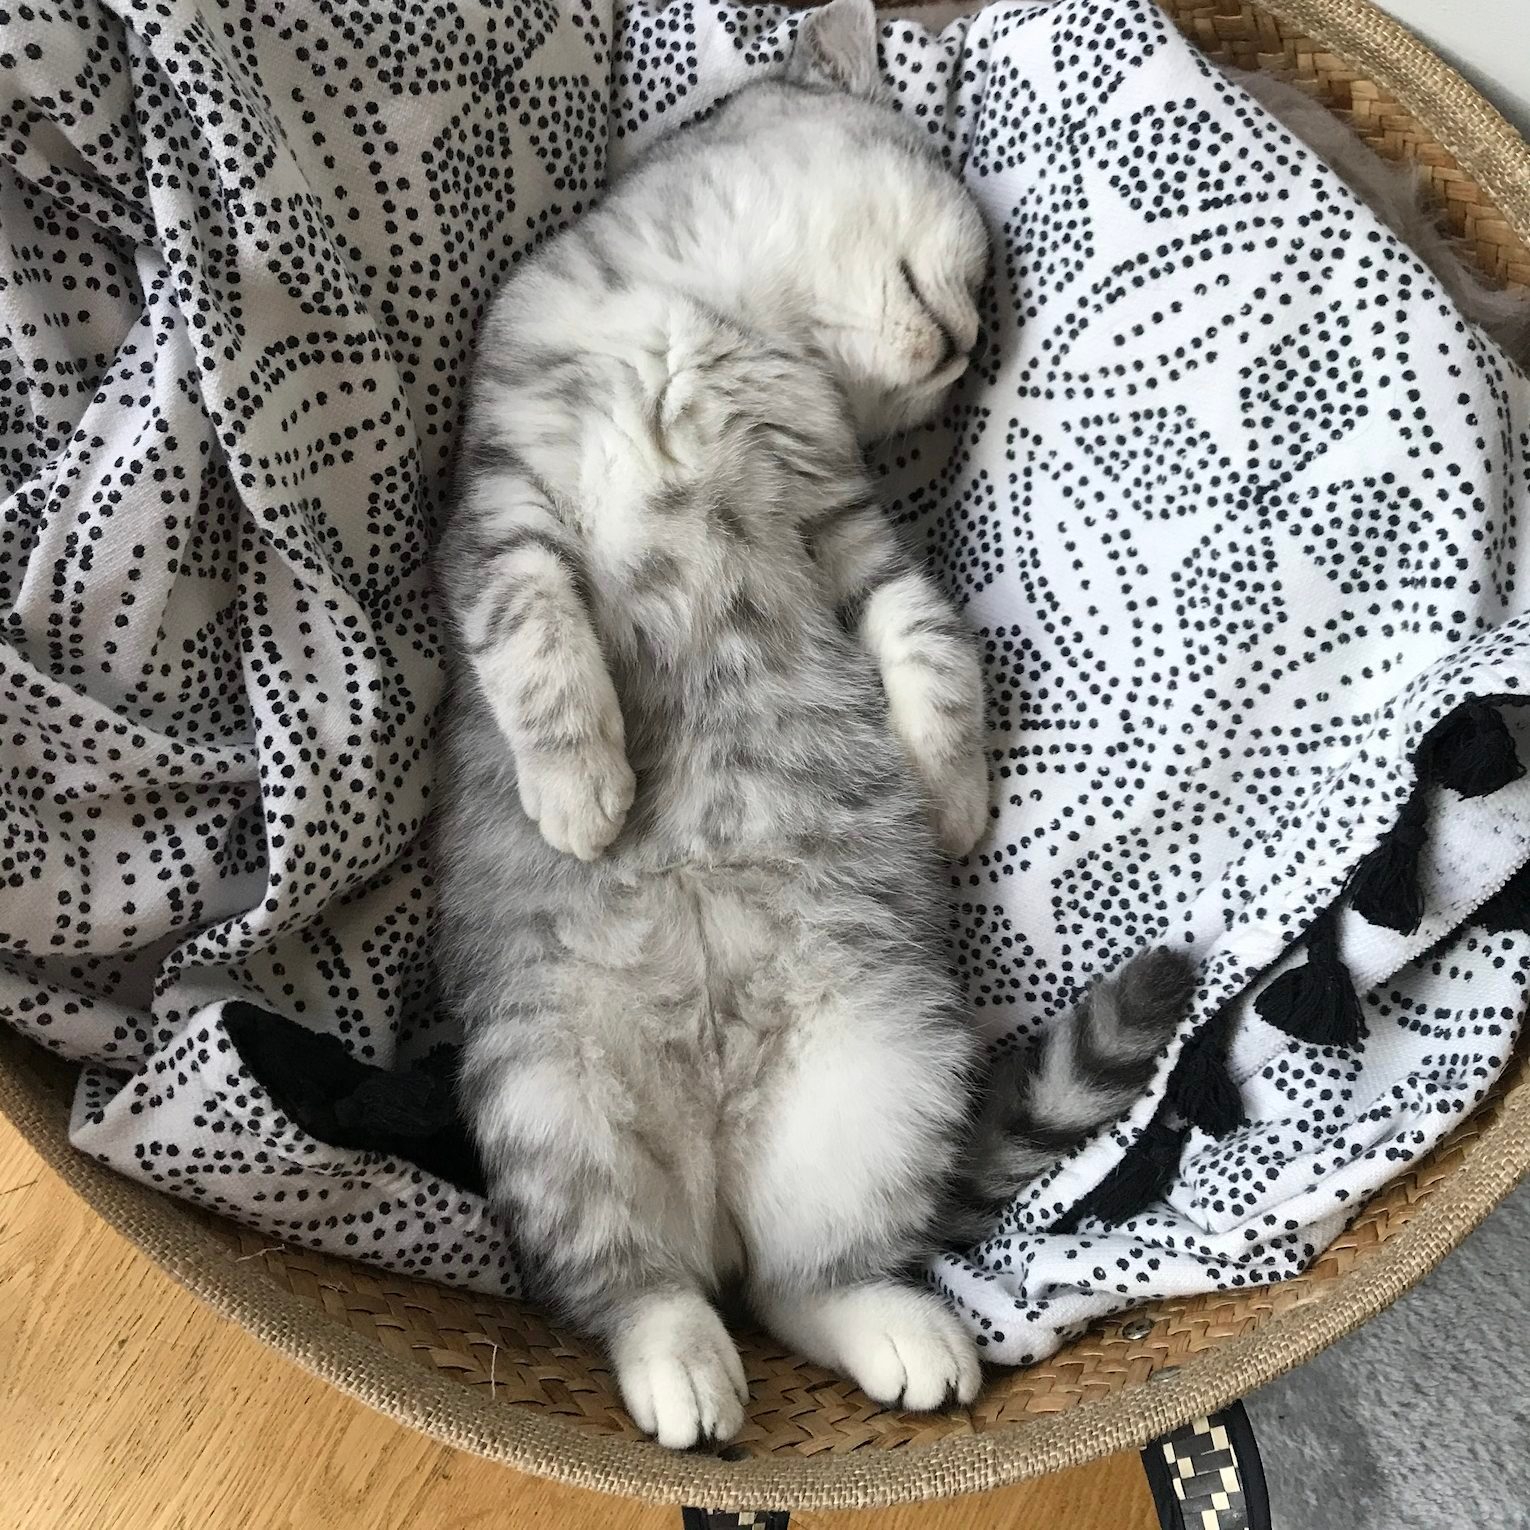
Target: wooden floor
{"x": 126, "y": 1405}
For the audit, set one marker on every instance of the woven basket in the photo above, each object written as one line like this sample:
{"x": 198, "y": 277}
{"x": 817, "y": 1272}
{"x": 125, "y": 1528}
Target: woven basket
{"x": 495, "y": 1377}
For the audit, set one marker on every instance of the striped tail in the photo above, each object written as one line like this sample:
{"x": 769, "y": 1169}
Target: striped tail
{"x": 1040, "y": 1103}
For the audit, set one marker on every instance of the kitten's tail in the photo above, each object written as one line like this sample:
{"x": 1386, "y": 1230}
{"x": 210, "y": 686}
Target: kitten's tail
{"x": 1040, "y": 1103}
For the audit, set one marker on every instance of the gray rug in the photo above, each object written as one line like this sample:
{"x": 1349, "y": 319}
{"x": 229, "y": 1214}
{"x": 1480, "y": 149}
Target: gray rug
{"x": 1421, "y": 1420}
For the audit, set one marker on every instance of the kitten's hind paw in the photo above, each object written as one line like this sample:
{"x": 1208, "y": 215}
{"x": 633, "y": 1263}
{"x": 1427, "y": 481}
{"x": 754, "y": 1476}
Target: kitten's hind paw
{"x": 903, "y": 1347}
{"x": 679, "y": 1372}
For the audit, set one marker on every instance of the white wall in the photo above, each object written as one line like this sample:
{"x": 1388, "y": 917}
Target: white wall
{"x": 1487, "y": 40}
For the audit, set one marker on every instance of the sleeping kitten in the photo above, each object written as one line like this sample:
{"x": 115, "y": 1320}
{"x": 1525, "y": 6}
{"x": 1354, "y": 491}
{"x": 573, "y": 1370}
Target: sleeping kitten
{"x": 712, "y": 730}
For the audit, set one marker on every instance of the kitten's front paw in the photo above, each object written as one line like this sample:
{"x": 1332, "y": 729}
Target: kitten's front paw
{"x": 679, "y": 1372}
{"x": 580, "y": 800}
{"x": 959, "y": 797}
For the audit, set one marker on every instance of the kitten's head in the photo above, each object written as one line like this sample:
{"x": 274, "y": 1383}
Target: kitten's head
{"x": 899, "y": 250}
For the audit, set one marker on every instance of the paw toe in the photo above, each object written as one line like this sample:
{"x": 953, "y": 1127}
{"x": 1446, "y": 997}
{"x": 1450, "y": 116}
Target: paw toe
{"x": 908, "y": 1351}
{"x": 680, "y": 1375}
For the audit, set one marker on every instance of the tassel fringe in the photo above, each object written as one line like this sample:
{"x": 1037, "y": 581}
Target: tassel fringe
{"x": 1317, "y": 1002}
{"x": 1385, "y": 887}
{"x": 1201, "y": 1089}
{"x": 1509, "y": 908}
{"x": 1472, "y": 751}
{"x": 1140, "y": 1179}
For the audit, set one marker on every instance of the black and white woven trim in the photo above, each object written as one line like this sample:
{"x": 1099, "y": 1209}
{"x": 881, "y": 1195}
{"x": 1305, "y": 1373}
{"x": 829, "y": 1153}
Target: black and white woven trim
{"x": 729, "y": 1519}
{"x": 1205, "y": 1476}
{"x": 1471, "y": 750}
{"x": 1208, "y": 1475}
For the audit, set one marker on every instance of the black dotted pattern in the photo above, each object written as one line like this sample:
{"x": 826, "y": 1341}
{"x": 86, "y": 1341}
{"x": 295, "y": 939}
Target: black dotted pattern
{"x": 247, "y": 250}
{"x": 1229, "y": 557}
{"x": 1232, "y": 499}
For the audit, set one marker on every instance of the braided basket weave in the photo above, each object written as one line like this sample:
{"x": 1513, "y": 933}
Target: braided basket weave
{"x": 495, "y": 1377}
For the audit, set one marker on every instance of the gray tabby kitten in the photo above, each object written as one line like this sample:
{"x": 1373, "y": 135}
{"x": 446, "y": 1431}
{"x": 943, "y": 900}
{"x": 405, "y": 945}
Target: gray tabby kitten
{"x": 712, "y": 730}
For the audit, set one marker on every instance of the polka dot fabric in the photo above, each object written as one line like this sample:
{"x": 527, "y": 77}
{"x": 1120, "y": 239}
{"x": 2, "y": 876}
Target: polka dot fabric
{"x": 246, "y": 250}
{"x": 1231, "y": 498}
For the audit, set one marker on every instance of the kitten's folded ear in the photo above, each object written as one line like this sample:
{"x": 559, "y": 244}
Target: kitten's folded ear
{"x": 836, "y": 49}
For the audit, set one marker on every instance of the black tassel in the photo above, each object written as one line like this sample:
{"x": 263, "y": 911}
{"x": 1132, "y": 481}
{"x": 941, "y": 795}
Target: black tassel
{"x": 1140, "y": 1178}
{"x": 1508, "y": 908}
{"x": 314, "y": 1081}
{"x": 396, "y": 1107}
{"x": 1472, "y": 751}
{"x": 1385, "y": 887}
{"x": 1201, "y": 1089}
{"x": 1317, "y": 1002}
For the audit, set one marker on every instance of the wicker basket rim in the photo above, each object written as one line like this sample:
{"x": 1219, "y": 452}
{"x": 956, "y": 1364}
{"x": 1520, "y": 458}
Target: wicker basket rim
{"x": 1487, "y": 149}
{"x": 527, "y": 1441}
{"x": 1481, "y": 140}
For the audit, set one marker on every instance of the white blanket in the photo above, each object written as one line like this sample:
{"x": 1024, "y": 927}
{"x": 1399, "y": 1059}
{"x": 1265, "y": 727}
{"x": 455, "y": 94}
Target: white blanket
{"x": 1234, "y": 500}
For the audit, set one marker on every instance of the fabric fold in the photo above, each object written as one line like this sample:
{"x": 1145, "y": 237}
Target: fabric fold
{"x": 1232, "y": 499}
